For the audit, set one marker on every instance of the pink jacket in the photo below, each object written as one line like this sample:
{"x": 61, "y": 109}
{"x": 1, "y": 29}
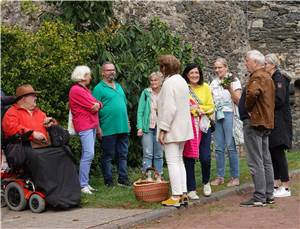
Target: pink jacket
{"x": 80, "y": 103}
{"x": 191, "y": 147}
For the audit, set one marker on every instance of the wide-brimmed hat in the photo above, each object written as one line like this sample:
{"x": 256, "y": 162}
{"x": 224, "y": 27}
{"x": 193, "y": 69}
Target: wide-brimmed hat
{"x": 24, "y": 90}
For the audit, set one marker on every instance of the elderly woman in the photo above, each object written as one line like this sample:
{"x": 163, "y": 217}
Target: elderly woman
{"x": 147, "y": 122}
{"x": 174, "y": 125}
{"x": 201, "y": 103}
{"x": 225, "y": 97}
{"x": 279, "y": 139}
{"x": 84, "y": 108}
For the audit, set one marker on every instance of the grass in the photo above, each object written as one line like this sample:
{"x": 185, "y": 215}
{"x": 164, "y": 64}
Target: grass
{"x": 123, "y": 197}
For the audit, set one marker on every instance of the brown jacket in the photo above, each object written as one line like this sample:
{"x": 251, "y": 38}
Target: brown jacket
{"x": 260, "y": 99}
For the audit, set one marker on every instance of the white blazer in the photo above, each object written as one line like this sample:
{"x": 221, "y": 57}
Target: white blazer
{"x": 174, "y": 110}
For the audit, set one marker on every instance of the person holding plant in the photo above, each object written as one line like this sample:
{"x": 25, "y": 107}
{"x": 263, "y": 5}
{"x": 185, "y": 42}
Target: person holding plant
{"x": 146, "y": 125}
{"x": 174, "y": 126}
{"x": 279, "y": 139}
{"x": 84, "y": 108}
{"x": 201, "y": 103}
{"x": 226, "y": 91}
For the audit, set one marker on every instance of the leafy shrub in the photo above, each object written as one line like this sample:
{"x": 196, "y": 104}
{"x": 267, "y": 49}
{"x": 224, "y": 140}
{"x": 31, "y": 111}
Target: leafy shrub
{"x": 46, "y": 58}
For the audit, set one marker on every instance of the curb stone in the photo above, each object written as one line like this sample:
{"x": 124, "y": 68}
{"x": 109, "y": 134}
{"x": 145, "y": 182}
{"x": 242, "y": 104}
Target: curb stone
{"x": 160, "y": 213}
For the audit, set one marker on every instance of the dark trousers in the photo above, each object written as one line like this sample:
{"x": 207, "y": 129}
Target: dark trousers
{"x": 205, "y": 160}
{"x": 280, "y": 165}
{"x": 115, "y": 145}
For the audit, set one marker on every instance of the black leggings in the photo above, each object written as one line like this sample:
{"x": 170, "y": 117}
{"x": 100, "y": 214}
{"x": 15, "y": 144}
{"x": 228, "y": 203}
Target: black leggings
{"x": 280, "y": 165}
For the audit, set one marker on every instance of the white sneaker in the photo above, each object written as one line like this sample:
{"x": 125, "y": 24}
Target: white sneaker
{"x": 193, "y": 195}
{"x": 86, "y": 190}
{"x": 207, "y": 189}
{"x": 92, "y": 189}
{"x": 282, "y": 192}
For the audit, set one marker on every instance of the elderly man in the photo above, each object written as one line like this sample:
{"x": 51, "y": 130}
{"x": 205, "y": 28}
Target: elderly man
{"x": 256, "y": 108}
{"x": 50, "y": 168}
{"x": 114, "y": 125}
{"x": 25, "y": 116}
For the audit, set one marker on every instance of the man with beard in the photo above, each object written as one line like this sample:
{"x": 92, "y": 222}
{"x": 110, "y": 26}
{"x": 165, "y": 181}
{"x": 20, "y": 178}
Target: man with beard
{"x": 114, "y": 125}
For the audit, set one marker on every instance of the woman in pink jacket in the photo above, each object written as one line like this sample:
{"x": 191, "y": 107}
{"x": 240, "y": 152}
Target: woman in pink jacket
{"x": 84, "y": 108}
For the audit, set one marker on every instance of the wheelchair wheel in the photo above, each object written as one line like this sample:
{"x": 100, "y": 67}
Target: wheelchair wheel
{"x": 14, "y": 197}
{"x": 36, "y": 203}
{"x": 3, "y": 202}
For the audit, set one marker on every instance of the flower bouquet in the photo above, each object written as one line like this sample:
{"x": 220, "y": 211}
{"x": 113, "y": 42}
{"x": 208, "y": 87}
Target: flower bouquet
{"x": 228, "y": 79}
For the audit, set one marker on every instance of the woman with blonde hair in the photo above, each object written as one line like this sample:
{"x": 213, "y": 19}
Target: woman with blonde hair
{"x": 174, "y": 126}
{"x": 84, "y": 108}
{"x": 147, "y": 122}
{"x": 226, "y": 97}
{"x": 280, "y": 138}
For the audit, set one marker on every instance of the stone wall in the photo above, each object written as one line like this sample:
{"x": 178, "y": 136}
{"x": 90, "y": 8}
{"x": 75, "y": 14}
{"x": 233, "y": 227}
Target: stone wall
{"x": 215, "y": 28}
{"x": 229, "y": 29}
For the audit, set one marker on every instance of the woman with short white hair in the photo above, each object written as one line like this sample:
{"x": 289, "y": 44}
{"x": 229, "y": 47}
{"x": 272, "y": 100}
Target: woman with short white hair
{"x": 84, "y": 108}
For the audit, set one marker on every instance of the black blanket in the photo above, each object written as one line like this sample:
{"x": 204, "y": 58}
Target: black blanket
{"x": 54, "y": 173}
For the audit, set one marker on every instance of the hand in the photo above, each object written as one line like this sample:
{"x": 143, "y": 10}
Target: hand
{"x": 161, "y": 137}
{"x": 38, "y": 136}
{"x": 49, "y": 121}
{"x": 99, "y": 134}
{"x": 95, "y": 107}
{"x": 140, "y": 132}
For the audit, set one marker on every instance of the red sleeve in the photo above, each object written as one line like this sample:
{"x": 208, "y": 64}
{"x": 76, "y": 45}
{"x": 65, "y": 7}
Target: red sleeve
{"x": 11, "y": 123}
{"x": 83, "y": 97}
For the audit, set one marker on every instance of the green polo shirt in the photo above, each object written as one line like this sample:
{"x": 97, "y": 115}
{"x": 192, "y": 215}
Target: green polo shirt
{"x": 113, "y": 116}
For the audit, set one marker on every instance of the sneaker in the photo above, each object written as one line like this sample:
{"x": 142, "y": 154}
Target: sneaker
{"x": 275, "y": 189}
{"x": 92, "y": 189}
{"x": 217, "y": 181}
{"x": 192, "y": 195}
{"x": 233, "y": 182}
{"x": 171, "y": 202}
{"x": 86, "y": 190}
{"x": 270, "y": 201}
{"x": 252, "y": 203}
{"x": 282, "y": 192}
{"x": 124, "y": 184}
{"x": 207, "y": 189}
{"x": 184, "y": 200}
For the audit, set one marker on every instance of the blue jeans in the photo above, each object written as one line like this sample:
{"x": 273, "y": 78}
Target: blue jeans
{"x": 224, "y": 139}
{"x": 152, "y": 152}
{"x": 115, "y": 145}
{"x": 87, "y": 139}
{"x": 204, "y": 156}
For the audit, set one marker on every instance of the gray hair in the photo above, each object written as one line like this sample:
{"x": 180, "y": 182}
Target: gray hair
{"x": 222, "y": 61}
{"x": 272, "y": 59}
{"x": 79, "y": 73}
{"x": 157, "y": 74}
{"x": 257, "y": 56}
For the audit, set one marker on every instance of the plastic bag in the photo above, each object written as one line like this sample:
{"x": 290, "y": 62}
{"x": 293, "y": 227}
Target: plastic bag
{"x": 238, "y": 133}
{"x": 71, "y": 129}
{"x": 204, "y": 123}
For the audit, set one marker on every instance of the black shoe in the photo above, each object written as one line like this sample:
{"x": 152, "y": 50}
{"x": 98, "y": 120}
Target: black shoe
{"x": 270, "y": 201}
{"x": 124, "y": 183}
{"x": 252, "y": 203}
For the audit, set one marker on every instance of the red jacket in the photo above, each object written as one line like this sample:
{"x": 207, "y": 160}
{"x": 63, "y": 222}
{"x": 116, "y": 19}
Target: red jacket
{"x": 19, "y": 120}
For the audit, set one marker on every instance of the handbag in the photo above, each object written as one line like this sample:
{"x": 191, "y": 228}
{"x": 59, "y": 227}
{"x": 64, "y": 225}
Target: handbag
{"x": 71, "y": 129}
{"x": 238, "y": 133}
{"x": 58, "y": 135}
{"x": 204, "y": 123}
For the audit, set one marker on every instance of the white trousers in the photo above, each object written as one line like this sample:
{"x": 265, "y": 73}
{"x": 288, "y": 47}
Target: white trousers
{"x": 177, "y": 174}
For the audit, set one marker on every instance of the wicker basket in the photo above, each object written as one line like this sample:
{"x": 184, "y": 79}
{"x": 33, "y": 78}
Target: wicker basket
{"x": 150, "y": 191}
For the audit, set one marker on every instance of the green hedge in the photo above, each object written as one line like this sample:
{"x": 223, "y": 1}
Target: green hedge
{"x": 45, "y": 58}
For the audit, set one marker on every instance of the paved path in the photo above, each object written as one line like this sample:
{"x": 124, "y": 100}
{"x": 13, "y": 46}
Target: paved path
{"x": 99, "y": 217}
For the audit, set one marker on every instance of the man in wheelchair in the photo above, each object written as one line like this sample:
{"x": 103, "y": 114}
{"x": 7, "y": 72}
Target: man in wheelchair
{"x": 37, "y": 144}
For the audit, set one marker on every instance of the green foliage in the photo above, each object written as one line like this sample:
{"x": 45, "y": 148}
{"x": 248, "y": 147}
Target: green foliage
{"x": 84, "y": 15}
{"x": 46, "y": 58}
